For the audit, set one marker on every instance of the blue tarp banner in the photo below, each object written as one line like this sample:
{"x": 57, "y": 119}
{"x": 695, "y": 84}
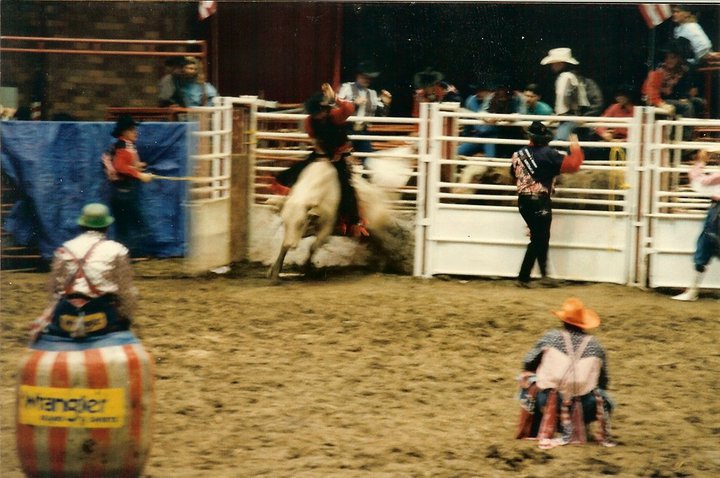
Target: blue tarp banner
{"x": 57, "y": 169}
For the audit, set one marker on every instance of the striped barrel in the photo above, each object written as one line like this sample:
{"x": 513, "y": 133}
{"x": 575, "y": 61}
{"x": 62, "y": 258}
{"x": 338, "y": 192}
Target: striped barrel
{"x": 84, "y": 408}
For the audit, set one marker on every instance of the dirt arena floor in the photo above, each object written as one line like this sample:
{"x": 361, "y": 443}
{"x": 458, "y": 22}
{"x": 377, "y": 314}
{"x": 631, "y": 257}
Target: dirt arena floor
{"x": 373, "y": 375}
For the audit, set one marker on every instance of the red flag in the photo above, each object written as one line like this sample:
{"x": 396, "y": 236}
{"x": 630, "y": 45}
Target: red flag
{"x": 655, "y": 13}
{"x": 206, "y": 8}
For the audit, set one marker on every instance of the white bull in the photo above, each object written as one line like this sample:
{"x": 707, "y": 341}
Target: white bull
{"x": 311, "y": 209}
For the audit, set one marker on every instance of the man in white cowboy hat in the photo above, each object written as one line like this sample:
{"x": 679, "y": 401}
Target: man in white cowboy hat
{"x": 575, "y": 95}
{"x": 91, "y": 282}
{"x": 565, "y": 374}
{"x": 367, "y": 101}
{"x": 708, "y": 243}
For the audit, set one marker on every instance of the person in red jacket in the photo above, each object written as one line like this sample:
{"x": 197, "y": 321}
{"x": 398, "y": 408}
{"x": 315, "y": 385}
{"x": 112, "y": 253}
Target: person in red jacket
{"x": 623, "y": 107}
{"x": 326, "y": 126}
{"x": 534, "y": 169}
{"x": 125, "y": 201}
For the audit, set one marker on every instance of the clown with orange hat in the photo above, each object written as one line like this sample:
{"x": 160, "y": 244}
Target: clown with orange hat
{"x": 563, "y": 386}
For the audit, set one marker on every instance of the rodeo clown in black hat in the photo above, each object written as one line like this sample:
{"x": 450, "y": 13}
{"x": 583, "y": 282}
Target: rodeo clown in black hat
{"x": 126, "y": 176}
{"x": 534, "y": 169}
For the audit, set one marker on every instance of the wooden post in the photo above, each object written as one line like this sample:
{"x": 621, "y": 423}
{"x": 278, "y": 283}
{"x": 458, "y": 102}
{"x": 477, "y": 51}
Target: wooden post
{"x": 240, "y": 184}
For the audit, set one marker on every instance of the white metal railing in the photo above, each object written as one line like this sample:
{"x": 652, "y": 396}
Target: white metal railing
{"x": 673, "y": 212}
{"x": 274, "y": 150}
{"x": 456, "y": 204}
{"x": 643, "y": 192}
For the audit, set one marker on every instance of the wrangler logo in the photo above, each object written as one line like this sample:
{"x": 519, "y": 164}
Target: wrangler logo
{"x": 71, "y": 407}
{"x": 93, "y": 322}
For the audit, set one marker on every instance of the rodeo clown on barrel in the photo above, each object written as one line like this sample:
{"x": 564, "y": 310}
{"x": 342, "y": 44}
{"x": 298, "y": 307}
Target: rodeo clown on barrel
{"x": 85, "y": 385}
{"x": 91, "y": 281}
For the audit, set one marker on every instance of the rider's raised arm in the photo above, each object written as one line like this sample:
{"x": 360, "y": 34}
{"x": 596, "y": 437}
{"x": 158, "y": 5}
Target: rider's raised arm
{"x": 342, "y": 111}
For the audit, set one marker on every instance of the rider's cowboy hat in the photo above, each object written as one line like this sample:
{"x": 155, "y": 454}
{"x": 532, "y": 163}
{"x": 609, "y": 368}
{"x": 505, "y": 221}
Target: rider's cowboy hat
{"x": 316, "y": 103}
{"x": 95, "y": 216}
{"x": 559, "y": 55}
{"x": 124, "y": 123}
{"x": 574, "y": 313}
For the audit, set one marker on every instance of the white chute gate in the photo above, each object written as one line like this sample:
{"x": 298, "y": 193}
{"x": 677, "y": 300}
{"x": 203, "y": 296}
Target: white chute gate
{"x": 627, "y": 218}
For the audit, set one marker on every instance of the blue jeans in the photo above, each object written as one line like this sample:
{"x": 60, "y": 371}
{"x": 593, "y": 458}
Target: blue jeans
{"x": 564, "y": 130}
{"x": 708, "y": 244}
{"x": 130, "y": 229}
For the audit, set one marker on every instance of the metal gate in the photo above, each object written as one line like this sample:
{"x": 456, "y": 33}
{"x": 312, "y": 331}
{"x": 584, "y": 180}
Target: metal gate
{"x": 475, "y": 229}
{"x": 209, "y": 203}
{"x": 674, "y": 213}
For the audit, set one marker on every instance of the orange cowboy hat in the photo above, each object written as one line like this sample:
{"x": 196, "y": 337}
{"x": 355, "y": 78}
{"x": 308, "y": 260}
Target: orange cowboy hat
{"x": 574, "y": 313}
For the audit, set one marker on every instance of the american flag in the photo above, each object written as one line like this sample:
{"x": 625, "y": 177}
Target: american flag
{"x": 655, "y": 13}
{"x": 206, "y": 8}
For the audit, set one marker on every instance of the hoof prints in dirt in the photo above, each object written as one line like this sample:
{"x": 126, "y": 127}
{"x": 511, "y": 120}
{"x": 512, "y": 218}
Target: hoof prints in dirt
{"x": 516, "y": 459}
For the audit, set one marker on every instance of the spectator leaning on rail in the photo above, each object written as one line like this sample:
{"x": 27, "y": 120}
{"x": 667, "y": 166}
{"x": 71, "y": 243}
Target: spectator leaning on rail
{"x": 187, "y": 87}
{"x": 125, "y": 202}
{"x": 501, "y": 100}
{"x": 169, "y": 84}
{"x": 534, "y": 169}
{"x": 531, "y": 104}
{"x": 708, "y": 243}
{"x": 624, "y": 107}
{"x": 91, "y": 282}
{"x": 564, "y": 381}
{"x": 367, "y": 102}
{"x": 326, "y": 126}
{"x": 670, "y": 87}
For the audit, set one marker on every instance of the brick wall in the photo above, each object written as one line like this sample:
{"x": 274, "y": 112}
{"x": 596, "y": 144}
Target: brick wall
{"x": 85, "y": 85}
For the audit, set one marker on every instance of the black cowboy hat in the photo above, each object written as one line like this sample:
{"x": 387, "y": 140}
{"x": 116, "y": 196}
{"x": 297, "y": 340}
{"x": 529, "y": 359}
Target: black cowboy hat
{"x": 427, "y": 77}
{"x": 316, "y": 103}
{"x": 676, "y": 46}
{"x": 539, "y": 133}
{"x": 368, "y": 69}
{"x": 124, "y": 123}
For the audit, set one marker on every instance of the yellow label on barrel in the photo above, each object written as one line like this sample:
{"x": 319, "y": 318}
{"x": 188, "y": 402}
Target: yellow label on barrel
{"x": 92, "y": 322}
{"x": 71, "y": 407}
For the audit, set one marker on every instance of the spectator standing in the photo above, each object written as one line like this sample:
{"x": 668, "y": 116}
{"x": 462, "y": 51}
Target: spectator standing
{"x": 688, "y": 29}
{"x": 367, "y": 102}
{"x": 575, "y": 95}
{"x": 125, "y": 202}
{"x": 534, "y": 169}
{"x": 708, "y": 243}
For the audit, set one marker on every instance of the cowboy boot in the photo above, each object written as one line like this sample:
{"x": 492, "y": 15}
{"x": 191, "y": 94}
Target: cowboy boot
{"x": 691, "y": 294}
{"x": 278, "y": 189}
